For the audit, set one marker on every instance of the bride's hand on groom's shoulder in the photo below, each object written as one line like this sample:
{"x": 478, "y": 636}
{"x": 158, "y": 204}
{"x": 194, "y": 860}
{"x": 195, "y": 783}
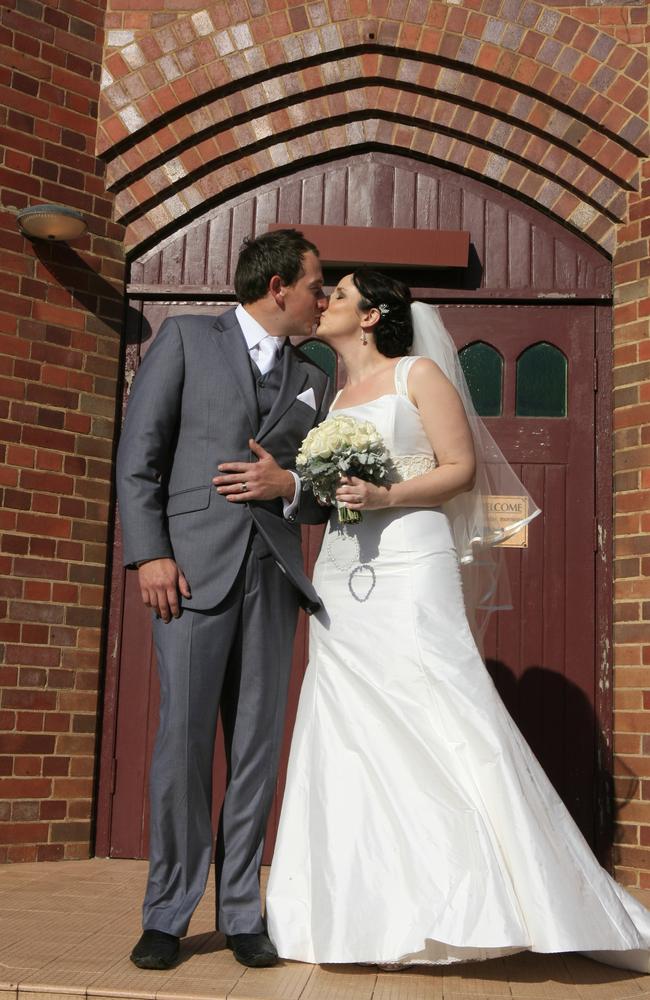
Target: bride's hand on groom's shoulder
{"x": 357, "y": 494}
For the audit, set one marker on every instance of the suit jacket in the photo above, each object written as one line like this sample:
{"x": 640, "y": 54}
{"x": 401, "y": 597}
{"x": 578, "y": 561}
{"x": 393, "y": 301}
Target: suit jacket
{"x": 192, "y": 406}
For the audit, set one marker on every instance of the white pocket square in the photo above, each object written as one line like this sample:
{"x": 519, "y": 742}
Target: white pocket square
{"x": 307, "y": 397}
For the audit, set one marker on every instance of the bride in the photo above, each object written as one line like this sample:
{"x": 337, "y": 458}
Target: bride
{"x": 417, "y": 826}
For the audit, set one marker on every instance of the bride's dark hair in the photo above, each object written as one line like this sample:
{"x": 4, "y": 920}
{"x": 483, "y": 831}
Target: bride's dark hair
{"x": 394, "y": 331}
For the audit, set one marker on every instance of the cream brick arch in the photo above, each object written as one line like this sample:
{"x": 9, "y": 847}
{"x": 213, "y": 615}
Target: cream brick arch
{"x": 512, "y": 91}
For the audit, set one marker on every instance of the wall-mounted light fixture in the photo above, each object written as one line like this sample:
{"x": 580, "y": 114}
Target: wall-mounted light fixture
{"x": 51, "y": 222}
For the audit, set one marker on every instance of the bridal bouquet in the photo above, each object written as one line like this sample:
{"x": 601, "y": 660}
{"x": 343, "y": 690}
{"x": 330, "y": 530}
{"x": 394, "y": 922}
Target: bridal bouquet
{"x": 341, "y": 446}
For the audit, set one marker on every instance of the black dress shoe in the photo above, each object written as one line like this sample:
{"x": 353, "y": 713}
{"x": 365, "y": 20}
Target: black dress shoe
{"x": 155, "y": 950}
{"x": 254, "y": 950}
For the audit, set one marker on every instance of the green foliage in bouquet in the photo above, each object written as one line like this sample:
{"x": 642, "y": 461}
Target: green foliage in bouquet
{"x": 342, "y": 446}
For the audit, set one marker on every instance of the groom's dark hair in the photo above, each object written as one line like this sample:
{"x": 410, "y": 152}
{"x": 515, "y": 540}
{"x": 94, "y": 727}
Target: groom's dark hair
{"x": 279, "y": 252}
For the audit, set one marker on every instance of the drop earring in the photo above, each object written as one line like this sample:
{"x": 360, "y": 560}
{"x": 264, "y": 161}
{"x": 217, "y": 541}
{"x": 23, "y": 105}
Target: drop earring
{"x": 364, "y": 338}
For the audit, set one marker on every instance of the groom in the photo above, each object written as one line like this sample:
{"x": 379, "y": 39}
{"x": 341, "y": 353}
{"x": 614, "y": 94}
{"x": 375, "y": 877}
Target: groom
{"x": 209, "y": 509}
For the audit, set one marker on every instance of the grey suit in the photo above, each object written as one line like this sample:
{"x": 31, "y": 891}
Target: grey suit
{"x": 193, "y": 406}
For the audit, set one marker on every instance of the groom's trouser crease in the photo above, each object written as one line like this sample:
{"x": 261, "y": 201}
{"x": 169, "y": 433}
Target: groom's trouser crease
{"x": 239, "y": 653}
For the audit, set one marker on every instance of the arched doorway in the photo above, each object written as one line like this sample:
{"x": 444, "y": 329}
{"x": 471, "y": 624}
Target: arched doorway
{"x": 535, "y": 298}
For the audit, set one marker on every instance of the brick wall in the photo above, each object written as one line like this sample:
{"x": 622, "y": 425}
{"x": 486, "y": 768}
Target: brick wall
{"x": 60, "y": 317}
{"x": 632, "y": 539}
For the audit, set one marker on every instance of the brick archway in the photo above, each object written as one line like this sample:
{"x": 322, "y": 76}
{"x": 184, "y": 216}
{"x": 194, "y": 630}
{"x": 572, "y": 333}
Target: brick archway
{"x": 530, "y": 100}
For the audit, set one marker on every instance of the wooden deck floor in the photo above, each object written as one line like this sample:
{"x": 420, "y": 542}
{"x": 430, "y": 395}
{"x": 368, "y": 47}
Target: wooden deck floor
{"x": 66, "y": 931}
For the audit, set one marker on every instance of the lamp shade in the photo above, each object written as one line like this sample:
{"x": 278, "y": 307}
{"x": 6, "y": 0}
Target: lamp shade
{"x": 51, "y": 222}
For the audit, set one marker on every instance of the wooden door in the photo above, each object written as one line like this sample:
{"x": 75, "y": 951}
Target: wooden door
{"x": 542, "y": 654}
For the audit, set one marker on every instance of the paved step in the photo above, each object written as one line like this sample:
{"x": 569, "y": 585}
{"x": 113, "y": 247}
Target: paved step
{"x": 66, "y": 930}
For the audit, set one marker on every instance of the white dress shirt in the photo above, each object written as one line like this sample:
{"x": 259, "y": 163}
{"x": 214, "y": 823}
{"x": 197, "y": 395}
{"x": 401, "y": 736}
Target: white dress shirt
{"x": 265, "y": 350}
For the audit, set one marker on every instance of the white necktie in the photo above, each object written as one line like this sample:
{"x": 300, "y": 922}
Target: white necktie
{"x": 265, "y": 353}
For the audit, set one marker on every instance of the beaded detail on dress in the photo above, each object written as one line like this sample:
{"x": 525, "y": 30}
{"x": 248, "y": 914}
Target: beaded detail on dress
{"x": 409, "y": 466}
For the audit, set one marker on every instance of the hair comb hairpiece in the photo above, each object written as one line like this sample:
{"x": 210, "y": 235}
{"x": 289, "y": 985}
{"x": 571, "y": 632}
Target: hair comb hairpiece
{"x": 383, "y": 308}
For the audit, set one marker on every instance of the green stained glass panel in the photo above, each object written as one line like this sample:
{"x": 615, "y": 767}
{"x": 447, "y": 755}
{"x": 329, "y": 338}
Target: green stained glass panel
{"x": 483, "y": 369}
{"x": 541, "y": 382}
{"x": 321, "y": 355}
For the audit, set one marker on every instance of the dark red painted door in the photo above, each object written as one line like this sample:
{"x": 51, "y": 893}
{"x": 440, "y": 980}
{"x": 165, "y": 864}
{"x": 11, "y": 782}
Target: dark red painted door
{"x": 541, "y": 654}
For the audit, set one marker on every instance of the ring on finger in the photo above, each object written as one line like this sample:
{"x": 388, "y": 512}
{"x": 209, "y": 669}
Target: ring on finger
{"x": 244, "y": 487}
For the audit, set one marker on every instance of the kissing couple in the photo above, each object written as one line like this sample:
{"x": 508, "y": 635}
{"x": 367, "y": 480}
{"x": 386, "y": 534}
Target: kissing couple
{"x": 417, "y": 826}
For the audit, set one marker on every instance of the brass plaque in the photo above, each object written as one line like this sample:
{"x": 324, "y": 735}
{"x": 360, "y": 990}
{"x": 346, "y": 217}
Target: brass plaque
{"x": 502, "y": 511}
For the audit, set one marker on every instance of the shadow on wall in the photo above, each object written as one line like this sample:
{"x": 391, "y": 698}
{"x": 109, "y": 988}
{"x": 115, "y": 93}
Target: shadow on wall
{"x": 539, "y": 686}
{"x": 92, "y": 292}
{"x": 449, "y": 278}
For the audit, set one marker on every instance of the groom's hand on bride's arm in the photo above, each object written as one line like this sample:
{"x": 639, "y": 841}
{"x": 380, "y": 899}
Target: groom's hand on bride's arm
{"x": 161, "y": 581}
{"x": 264, "y": 479}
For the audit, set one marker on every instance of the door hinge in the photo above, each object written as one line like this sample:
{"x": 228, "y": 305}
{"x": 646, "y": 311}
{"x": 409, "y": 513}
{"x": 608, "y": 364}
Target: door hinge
{"x": 113, "y": 775}
{"x": 595, "y": 374}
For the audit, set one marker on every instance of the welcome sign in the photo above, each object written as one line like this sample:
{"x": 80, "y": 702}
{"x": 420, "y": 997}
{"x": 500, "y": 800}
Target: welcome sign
{"x": 502, "y": 511}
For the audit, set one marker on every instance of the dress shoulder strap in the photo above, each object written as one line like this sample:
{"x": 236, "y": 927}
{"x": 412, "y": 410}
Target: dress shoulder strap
{"x": 333, "y": 403}
{"x": 402, "y": 369}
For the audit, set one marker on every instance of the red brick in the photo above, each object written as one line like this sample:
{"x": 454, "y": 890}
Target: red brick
{"x": 78, "y": 852}
{"x": 25, "y": 811}
{"x": 82, "y": 767}
{"x": 75, "y": 744}
{"x": 7, "y": 720}
{"x": 50, "y": 852}
{"x": 33, "y": 677}
{"x": 51, "y": 526}
{"x": 29, "y": 722}
{"x": 34, "y": 612}
{"x": 42, "y": 438}
{"x": 53, "y": 809}
{"x": 64, "y": 592}
{"x": 78, "y": 701}
{"x": 9, "y": 632}
{"x": 44, "y": 503}
{"x": 22, "y": 853}
{"x": 62, "y": 680}
{"x": 30, "y": 788}
{"x": 23, "y": 833}
{"x": 17, "y": 455}
{"x": 70, "y": 832}
{"x": 29, "y": 698}
{"x": 72, "y": 788}
{"x": 26, "y": 743}
{"x": 80, "y": 809}
{"x": 56, "y": 766}
{"x": 56, "y": 722}
{"x": 38, "y": 655}
{"x": 37, "y": 591}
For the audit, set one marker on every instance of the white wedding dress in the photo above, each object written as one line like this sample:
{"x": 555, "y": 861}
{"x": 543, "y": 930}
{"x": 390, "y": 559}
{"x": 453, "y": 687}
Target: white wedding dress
{"x": 417, "y": 826}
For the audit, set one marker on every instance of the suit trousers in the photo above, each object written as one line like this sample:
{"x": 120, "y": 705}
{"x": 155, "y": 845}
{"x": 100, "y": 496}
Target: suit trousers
{"x": 235, "y": 659}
